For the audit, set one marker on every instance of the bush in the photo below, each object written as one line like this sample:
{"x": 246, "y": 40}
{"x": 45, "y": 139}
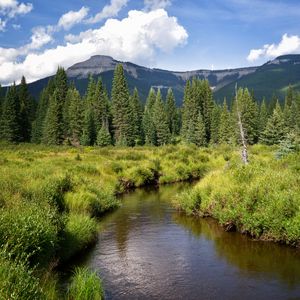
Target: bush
{"x": 85, "y": 285}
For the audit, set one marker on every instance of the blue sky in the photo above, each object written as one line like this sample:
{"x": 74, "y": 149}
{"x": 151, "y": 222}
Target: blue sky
{"x": 36, "y": 36}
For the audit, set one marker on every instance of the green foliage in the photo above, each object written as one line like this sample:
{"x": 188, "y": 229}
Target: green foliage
{"x": 261, "y": 199}
{"x": 274, "y": 131}
{"x": 148, "y": 123}
{"x": 10, "y": 120}
{"x": 136, "y": 118}
{"x": 80, "y": 232}
{"x": 85, "y": 285}
{"x": 160, "y": 121}
{"x": 103, "y": 137}
{"x": 121, "y": 109}
{"x": 16, "y": 279}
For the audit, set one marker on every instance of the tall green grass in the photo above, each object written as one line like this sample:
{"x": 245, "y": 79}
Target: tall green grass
{"x": 51, "y": 197}
{"x": 85, "y": 285}
{"x": 261, "y": 199}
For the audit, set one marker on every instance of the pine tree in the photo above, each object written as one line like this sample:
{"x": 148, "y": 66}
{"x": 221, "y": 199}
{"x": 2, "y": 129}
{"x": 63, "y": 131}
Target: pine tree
{"x": 26, "y": 110}
{"x": 121, "y": 109}
{"x": 75, "y": 116}
{"x": 275, "y": 130}
{"x": 226, "y": 128}
{"x": 103, "y": 137}
{"x": 53, "y": 133}
{"x": 287, "y": 111}
{"x": 137, "y": 117}
{"x": 207, "y": 107}
{"x": 249, "y": 115}
{"x": 172, "y": 113}
{"x": 160, "y": 120}
{"x": 88, "y": 128}
{"x": 11, "y": 129}
{"x": 148, "y": 123}
{"x": 200, "y": 133}
{"x": 61, "y": 85}
{"x": 190, "y": 112}
{"x": 43, "y": 103}
{"x": 215, "y": 124}
{"x": 263, "y": 118}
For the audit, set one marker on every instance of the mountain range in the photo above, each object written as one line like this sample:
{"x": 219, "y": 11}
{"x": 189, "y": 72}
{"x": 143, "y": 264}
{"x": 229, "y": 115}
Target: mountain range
{"x": 271, "y": 78}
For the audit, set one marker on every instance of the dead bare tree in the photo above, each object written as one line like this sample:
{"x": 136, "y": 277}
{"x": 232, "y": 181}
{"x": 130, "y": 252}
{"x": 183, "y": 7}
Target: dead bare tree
{"x": 242, "y": 131}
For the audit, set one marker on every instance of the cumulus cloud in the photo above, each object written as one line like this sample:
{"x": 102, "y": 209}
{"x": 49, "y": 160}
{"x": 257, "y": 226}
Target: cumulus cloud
{"x": 10, "y": 9}
{"x": 68, "y": 20}
{"x": 135, "y": 38}
{"x": 108, "y": 11}
{"x": 287, "y": 45}
{"x": 156, "y": 4}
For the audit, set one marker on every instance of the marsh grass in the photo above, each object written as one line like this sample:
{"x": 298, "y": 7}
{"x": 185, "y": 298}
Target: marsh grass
{"x": 51, "y": 197}
{"x": 85, "y": 285}
{"x": 261, "y": 199}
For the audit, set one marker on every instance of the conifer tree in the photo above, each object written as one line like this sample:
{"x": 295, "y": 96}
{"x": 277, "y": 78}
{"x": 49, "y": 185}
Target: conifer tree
{"x": 226, "y": 128}
{"x": 160, "y": 120}
{"x": 263, "y": 118}
{"x": 88, "y": 128}
{"x": 287, "y": 111}
{"x": 26, "y": 110}
{"x": 249, "y": 115}
{"x": 200, "y": 133}
{"x": 274, "y": 131}
{"x": 121, "y": 109}
{"x": 215, "y": 124}
{"x": 43, "y": 103}
{"x": 103, "y": 137}
{"x": 53, "y": 133}
{"x": 137, "y": 117}
{"x": 75, "y": 116}
{"x": 11, "y": 130}
{"x": 172, "y": 113}
{"x": 190, "y": 112}
{"x": 148, "y": 123}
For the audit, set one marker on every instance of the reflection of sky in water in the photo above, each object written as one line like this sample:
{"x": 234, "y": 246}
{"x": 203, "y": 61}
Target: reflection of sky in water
{"x": 147, "y": 250}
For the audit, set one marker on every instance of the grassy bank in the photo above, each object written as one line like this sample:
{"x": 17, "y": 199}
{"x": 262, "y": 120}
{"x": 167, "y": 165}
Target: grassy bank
{"x": 51, "y": 198}
{"x": 261, "y": 199}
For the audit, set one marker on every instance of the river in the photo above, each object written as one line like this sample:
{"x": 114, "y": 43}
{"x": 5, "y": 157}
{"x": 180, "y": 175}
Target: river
{"x": 147, "y": 250}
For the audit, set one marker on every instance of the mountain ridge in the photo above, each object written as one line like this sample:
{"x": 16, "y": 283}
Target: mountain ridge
{"x": 274, "y": 76}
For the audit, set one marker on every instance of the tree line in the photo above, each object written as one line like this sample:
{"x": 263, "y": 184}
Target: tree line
{"x": 62, "y": 116}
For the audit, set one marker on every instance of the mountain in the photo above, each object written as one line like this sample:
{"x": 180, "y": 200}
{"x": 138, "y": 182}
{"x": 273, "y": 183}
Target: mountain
{"x": 272, "y": 77}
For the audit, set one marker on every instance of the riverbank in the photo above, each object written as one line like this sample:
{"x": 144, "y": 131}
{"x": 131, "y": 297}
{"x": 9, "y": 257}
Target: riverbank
{"x": 261, "y": 199}
{"x": 51, "y": 198}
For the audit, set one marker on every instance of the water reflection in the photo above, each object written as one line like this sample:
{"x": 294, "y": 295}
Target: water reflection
{"x": 147, "y": 250}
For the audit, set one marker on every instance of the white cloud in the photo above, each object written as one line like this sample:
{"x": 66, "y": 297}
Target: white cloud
{"x": 136, "y": 38}
{"x": 11, "y": 8}
{"x": 68, "y": 20}
{"x": 155, "y": 4}
{"x": 287, "y": 45}
{"x": 110, "y": 10}
{"x": 2, "y": 24}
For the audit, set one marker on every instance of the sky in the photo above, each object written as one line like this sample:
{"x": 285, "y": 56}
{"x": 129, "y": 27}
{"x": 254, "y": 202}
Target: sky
{"x": 37, "y": 36}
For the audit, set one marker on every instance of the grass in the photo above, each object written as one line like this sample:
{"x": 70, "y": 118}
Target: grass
{"x": 261, "y": 199}
{"x": 52, "y": 197}
{"x": 85, "y": 285}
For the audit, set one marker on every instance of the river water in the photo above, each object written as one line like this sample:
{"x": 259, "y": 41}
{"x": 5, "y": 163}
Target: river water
{"x": 147, "y": 250}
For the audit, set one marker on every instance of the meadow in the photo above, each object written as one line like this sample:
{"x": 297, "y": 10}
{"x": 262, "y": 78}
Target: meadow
{"x": 52, "y": 199}
{"x": 261, "y": 199}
